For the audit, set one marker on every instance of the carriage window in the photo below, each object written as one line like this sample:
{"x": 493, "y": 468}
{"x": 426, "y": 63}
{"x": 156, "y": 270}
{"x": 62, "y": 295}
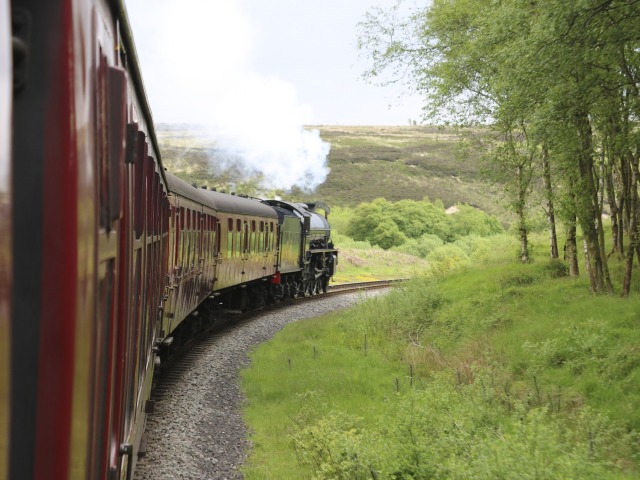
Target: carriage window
{"x": 230, "y": 238}
{"x": 238, "y": 237}
{"x": 270, "y": 237}
{"x": 243, "y": 238}
{"x": 252, "y": 238}
{"x": 204, "y": 227}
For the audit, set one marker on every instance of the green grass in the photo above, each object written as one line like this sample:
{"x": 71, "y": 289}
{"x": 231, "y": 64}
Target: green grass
{"x": 517, "y": 371}
{"x": 300, "y": 373}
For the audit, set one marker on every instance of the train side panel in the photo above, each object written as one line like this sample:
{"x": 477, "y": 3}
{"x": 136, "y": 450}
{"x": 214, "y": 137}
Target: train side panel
{"x": 290, "y": 243}
{"x": 91, "y": 239}
{"x": 193, "y": 257}
{"x": 5, "y": 237}
{"x": 65, "y": 242}
{"x": 146, "y": 279}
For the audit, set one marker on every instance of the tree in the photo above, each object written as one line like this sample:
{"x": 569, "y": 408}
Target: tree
{"x": 387, "y": 234}
{"x": 366, "y": 218}
{"x": 549, "y": 78}
{"x": 415, "y": 219}
{"x": 472, "y": 221}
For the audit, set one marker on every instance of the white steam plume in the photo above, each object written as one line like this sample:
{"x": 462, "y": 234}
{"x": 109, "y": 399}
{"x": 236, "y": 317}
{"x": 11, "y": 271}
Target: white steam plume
{"x": 195, "y": 60}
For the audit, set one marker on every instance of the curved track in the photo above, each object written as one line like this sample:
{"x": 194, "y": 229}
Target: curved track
{"x": 197, "y": 429}
{"x": 225, "y": 319}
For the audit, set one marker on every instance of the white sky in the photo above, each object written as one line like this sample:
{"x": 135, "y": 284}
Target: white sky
{"x": 225, "y": 61}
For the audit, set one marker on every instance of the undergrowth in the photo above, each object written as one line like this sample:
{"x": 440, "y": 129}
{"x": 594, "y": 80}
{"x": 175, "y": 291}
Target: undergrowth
{"x": 480, "y": 369}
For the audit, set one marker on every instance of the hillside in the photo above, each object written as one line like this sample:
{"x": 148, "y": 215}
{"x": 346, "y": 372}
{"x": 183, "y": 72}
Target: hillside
{"x": 366, "y": 162}
{"x": 402, "y": 162}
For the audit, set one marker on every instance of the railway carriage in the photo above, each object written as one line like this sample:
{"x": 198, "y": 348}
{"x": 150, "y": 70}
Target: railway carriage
{"x": 248, "y": 241}
{"x": 89, "y": 228}
{"x": 193, "y": 252}
{"x": 103, "y": 254}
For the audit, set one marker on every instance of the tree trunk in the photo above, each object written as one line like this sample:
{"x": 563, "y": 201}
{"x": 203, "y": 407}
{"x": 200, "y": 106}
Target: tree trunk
{"x": 587, "y": 204}
{"x": 551, "y": 217}
{"x": 613, "y": 206}
{"x": 520, "y": 211}
{"x": 633, "y": 226}
{"x": 571, "y": 246}
{"x": 600, "y": 227}
{"x": 571, "y": 249}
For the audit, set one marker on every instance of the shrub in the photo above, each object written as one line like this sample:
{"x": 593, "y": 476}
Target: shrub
{"x": 448, "y": 431}
{"x": 446, "y": 258}
{"x": 420, "y": 247}
{"x": 556, "y": 269}
{"x": 472, "y": 221}
{"x": 387, "y": 235}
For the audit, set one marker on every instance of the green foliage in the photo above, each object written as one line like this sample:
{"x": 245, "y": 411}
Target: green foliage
{"x": 394, "y": 224}
{"x": 420, "y": 247}
{"x": 387, "y": 234}
{"x": 366, "y": 217}
{"x": 336, "y": 437}
{"x": 494, "y": 371}
{"x": 446, "y": 258}
{"x": 415, "y": 219}
{"x": 448, "y": 431}
{"x": 471, "y": 221}
{"x": 557, "y": 269}
{"x": 556, "y": 82}
{"x": 584, "y": 348}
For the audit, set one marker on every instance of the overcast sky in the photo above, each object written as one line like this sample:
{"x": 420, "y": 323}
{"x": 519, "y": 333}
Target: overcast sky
{"x": 203, "y": 60}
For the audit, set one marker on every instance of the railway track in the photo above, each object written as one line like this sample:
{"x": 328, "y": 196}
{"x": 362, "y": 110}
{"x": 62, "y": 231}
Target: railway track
{"x": 371, "y": 285}
{"x": 196, "y": 428}
{"x": 227, "y": 319}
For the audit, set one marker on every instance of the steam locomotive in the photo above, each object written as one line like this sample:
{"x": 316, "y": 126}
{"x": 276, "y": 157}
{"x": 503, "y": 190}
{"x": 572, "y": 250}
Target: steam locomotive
{"x": 104, "y": 256}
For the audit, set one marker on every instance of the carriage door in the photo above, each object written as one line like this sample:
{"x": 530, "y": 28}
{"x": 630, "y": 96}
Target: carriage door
{"x": 110, "y": 121}
{"x": 245, "y": 248}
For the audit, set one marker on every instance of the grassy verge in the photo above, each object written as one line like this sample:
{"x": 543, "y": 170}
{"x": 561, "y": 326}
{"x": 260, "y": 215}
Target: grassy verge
{"x": 493, "y": 371}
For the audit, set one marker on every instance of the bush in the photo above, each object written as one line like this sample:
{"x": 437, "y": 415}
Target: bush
{"x": 557, "y": 269}
{"x": 366, "y": 217}
{"x": 420, "y": 247}
{"x": 387, "y": 235}
{"x": 472, "y": 221}
{"x": 419, "y": 218}
{"x": 446, "y": 258}
{"x": 412, "y": 219}
{"x": 447, "y": 431}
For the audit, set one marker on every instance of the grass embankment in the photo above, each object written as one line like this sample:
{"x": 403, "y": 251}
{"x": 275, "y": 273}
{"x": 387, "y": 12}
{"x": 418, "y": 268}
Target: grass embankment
{"x": 496, "y": 371}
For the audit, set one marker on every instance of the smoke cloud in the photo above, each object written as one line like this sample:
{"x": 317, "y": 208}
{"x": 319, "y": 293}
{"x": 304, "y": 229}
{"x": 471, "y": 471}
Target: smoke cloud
{"x": 195, "y": 57}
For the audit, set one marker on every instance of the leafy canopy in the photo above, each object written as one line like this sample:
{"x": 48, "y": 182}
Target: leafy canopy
{"x": 418, "y": 226}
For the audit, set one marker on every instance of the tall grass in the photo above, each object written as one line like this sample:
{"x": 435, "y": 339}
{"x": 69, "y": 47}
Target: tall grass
{"x": 483, "y": 369}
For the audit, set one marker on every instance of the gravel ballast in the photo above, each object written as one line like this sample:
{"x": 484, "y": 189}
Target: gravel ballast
{"x": 197, "y": 431}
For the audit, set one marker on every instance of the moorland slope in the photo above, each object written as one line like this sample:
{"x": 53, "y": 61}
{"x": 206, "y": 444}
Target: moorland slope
{"x": 366, "y": 162}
